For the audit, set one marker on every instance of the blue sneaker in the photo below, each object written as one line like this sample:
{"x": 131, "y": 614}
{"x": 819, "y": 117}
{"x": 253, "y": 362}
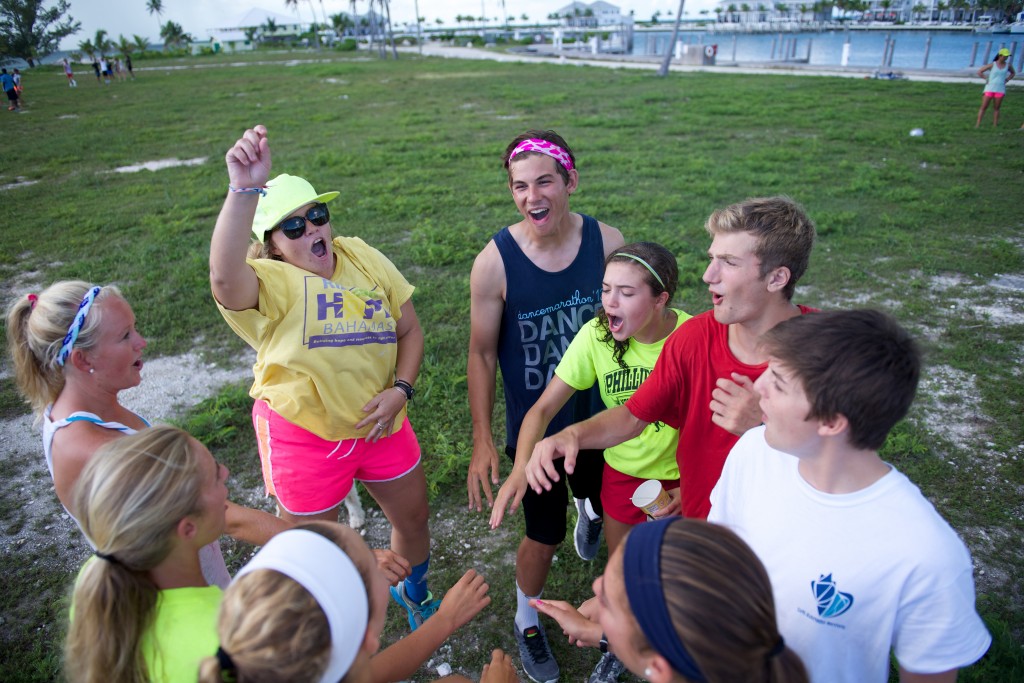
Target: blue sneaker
{"x": 418, "y": 612}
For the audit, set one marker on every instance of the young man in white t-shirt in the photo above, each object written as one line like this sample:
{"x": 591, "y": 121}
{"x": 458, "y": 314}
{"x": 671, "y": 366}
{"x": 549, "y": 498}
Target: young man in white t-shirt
{"x": 860, "y": 562}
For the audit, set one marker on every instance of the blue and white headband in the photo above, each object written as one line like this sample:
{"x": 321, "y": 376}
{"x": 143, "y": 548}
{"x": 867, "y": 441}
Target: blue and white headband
{"x": 641, "y": 567}
{"x": 76, "y": 325}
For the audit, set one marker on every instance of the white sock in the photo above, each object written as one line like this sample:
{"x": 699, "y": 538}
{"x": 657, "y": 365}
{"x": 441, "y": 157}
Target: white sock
{"x": 590, "y": 509}
{"x": 526, "y": 616}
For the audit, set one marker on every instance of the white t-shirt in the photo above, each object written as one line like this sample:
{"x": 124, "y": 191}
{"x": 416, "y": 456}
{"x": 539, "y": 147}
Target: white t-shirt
{"x": 853, "y": 575}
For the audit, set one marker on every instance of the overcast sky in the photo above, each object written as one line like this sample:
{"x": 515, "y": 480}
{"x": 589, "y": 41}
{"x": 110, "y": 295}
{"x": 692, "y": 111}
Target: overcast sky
{"x": 129, "y": 17}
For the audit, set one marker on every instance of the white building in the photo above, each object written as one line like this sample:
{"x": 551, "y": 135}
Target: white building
{"x": 592, "y": 15}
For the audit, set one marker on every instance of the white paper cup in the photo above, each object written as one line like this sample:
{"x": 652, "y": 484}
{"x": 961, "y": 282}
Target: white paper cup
{"x": 651, "y": 496}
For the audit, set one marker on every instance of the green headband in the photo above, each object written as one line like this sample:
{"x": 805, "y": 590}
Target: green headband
{"x": 646, "y": 265}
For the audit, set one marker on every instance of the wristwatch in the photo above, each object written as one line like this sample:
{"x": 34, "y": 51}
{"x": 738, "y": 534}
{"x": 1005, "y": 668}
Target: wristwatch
{"x": 405, "y": 388}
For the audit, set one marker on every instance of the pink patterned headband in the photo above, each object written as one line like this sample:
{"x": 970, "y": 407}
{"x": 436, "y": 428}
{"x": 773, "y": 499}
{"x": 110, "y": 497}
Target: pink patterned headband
{"x": 543, "y": 147}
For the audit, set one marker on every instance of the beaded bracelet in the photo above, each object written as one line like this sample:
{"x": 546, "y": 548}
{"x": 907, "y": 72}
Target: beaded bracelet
{"x": 248, "y": 190}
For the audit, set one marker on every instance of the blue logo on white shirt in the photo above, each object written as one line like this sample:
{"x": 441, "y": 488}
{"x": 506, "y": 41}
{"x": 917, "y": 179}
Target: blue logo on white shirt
{"x": 831, "y": 603}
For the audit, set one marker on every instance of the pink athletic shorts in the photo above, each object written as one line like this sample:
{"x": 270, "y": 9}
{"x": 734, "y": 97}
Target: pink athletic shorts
{"x": 617, "y": 495}
{"x": 309, "y": 475}
{"x": 996, "y": 95}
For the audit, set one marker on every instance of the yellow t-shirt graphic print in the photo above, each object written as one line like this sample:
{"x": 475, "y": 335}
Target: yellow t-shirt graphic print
{"x": 325, "y": 347}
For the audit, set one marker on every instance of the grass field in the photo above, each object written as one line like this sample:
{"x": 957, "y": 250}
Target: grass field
{"x": 928, "y": 228}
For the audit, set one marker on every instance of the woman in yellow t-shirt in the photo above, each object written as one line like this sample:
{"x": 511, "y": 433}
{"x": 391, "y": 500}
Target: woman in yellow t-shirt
{"x": 338, "y": 350}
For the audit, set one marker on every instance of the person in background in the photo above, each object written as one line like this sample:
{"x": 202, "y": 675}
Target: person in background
{"x": 1000, "y": 72}
{"x": 72, "y": 83}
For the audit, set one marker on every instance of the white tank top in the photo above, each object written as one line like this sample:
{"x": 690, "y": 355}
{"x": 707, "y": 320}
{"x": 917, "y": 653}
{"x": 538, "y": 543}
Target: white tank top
{"x": 211, "y": 559}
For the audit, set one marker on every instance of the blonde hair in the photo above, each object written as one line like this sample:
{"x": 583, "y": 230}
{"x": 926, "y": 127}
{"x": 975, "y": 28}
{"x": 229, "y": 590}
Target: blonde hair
{"x": 271, "y": 626}
{"x": 258, "y": 250}
{"x": 785, "y": 234}
{"x": 36, "y": 331}
{"x": 130, "y": 498}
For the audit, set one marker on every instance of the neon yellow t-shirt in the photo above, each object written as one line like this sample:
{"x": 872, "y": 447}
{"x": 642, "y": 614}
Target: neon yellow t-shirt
{"x": 652, "y": 454}
{"x": 184, "y": 632}
{"x": 325, "y": 347}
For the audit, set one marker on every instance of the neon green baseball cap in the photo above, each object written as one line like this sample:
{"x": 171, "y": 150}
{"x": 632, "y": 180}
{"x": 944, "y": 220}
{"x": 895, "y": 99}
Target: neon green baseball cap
{"x": 284, "y": 194}
{"x": 1004, "y": 52}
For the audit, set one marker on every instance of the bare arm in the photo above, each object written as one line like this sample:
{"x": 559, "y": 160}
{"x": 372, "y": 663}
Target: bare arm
{"x": 982, "y": 70}
{"x": 611, "y": 237}
{"x": 462, "y": 602}
{"x": 536, "y": 422}
{"x": 486, "y": 289}
{"x": 385, "y": 406}
{"x": 253, "y": 526}
{"x": 232, "y": 280}
{"x": 944, "y": 677}
{"x": 608, "y": 428}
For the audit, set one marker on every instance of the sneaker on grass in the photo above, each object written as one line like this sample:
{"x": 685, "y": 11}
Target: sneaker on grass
{"x": 608, "y": 669}
{"x": 587, "y": 537}
{"x": 535, "y": 653}
{"x": 418, "y": 612}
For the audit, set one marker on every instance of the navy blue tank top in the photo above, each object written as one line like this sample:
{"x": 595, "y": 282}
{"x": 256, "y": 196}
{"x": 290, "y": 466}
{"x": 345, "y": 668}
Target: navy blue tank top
{"x": 543, "y": 312}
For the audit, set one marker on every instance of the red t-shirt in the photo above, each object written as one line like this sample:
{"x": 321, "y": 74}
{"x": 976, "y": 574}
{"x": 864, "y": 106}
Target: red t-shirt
{"x": 678, "y": 393}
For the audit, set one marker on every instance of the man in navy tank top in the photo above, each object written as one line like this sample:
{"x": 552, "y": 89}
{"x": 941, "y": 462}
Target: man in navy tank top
{"x": 532, "y": 288}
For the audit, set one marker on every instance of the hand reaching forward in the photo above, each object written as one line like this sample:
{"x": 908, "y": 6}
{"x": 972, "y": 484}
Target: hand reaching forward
{"x": 499, "y": 669}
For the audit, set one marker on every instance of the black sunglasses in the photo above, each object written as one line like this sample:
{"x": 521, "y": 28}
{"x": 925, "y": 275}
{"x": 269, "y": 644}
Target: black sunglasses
{"x": 295, "y": 227}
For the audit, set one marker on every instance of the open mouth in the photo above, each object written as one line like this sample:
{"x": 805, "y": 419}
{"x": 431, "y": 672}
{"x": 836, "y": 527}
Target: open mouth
{"x": 539, "y": 214}
{"x": 615, "y": 323}
{"x": 716, "y": 299}
{"x": 319, "y": 248}
{"x": 137, "y": 364}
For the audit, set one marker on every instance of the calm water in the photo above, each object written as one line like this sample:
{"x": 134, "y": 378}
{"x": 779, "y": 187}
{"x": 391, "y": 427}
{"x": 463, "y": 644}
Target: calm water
{"x": 949, "y": 49}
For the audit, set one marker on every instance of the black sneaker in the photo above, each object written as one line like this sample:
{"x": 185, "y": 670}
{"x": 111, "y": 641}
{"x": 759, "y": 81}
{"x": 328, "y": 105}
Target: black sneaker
{"x": 608, "y": 669}
{"x": 535, "y": 653}
{"x": 587, "y": 537}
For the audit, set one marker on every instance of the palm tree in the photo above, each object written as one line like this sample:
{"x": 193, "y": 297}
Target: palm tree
{"x": 100, "y": 42}
{"x": 125, "y": 46}
{"x": 294, "y": 4}
{"x": 341, "y": 22}
{"x": 663, "y": 71}
{"x": 174, "y": 35}
{"x": 141, "y": 42}
{"x": 155, "y": 7}
{"x": 88, "y": 48}
{"x": 271, "y": 26}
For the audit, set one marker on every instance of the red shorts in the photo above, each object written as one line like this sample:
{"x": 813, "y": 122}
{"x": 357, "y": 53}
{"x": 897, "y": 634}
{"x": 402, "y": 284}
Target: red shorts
{"x": 617, "y": 495}
{"x": 995, "y": 95}
{"x": 309, "y": 475}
